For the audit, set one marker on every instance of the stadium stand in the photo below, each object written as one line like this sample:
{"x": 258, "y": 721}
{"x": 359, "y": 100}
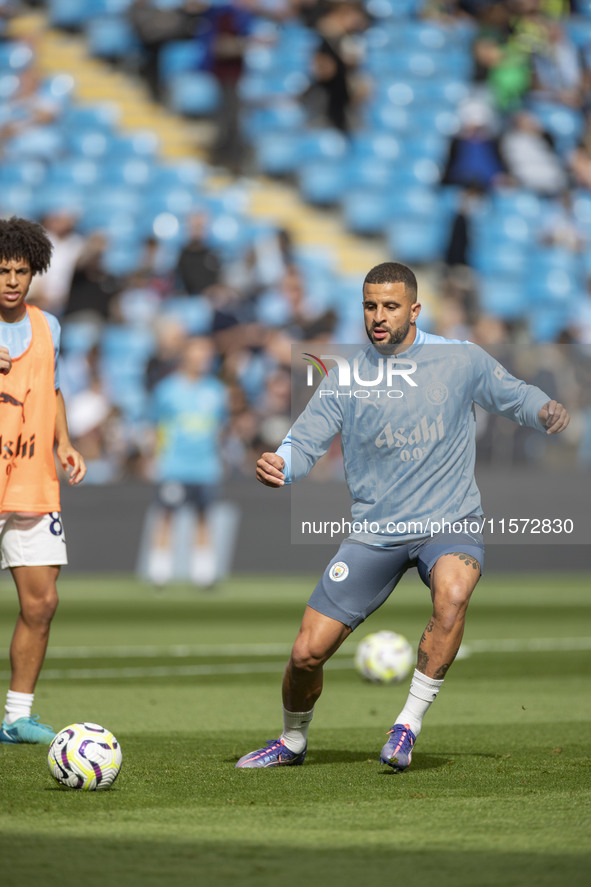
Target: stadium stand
{"x": 81, "y": 133}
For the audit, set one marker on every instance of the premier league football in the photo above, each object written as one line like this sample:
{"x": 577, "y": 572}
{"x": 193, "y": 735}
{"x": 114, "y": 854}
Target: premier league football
{"x": 85, "y": 756}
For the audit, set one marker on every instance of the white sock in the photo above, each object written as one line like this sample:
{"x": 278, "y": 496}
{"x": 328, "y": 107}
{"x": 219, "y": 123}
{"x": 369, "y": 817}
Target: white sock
{"x": 203, "y": 566}
{"x": 295, "y": 729}
{"x": 423, "y": 691}
{"x": 18, "y": 705}
{"x": 160, "y": 566}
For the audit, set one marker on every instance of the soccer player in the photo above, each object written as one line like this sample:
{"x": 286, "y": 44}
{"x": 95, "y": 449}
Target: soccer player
{"x": 32, "y": 421}
{"x": 189, "y": 408}
{"x": 409, "y": 462}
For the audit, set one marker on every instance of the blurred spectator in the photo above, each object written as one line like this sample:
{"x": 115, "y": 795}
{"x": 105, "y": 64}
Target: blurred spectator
{"x": 27, "y": 118}
{"x": 531, "y": 159}
{"x": 198, "y": 267}
{"x": 561, "y": 227}
{"x": 96, "y": 425}
{"x": 557, "y": 68}
{"x": 155, "y": 25}
{"x": 502, "y": 58}
{"x": 579, "y": 159}
{"x": 224, "y": 31}
{"x": 474, "y": 159}
{"x": 460, "y": 238}
{"x": 330, "y": 97}
{"x": 171, "y": 338}
{"x": 189, "y": 409}
{"x": 262, "y": 266}
{"x": 50, "y": 290}
{"x": 287, "y": 307}
{"x": 92, "y": 287}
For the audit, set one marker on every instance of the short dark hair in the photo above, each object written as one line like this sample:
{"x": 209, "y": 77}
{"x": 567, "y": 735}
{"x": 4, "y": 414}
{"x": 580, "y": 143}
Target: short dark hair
{"x": 393, "y": 272}
{"x": 26, "y": 240}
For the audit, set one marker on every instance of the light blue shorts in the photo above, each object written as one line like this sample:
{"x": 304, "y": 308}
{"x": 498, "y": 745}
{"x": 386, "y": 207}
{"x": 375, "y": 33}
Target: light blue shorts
{"x": 360, "y": 577}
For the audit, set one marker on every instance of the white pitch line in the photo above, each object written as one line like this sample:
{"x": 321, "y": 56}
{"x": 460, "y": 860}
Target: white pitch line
{"x": 173, "y": 650}
{"x": 168, "y": 672}
{"x": 503, "y": 645}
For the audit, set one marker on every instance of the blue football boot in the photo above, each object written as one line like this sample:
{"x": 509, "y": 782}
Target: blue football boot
{"x": 274, "y": 754}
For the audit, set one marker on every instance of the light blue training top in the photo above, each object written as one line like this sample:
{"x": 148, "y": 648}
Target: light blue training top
{"x": 409, "y": 447}
{"x": 189, "y": 415}
{"x": 17, "y": 338}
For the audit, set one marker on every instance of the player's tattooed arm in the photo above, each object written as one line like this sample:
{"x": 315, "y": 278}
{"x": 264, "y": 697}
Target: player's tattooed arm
{"x": 466, "y": 559}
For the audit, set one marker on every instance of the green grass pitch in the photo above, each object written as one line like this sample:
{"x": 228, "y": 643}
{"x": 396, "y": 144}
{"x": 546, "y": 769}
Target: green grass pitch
{"x": 497, "y": 794}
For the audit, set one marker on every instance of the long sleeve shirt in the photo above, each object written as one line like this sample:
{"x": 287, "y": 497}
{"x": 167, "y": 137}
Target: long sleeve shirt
{"x": 407, "y": 426}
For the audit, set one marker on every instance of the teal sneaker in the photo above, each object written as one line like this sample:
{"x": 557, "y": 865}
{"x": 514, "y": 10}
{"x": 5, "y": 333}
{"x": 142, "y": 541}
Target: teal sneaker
{"x": 27, "y": 730}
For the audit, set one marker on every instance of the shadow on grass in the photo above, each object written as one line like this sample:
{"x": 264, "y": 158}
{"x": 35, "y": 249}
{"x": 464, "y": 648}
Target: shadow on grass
{"x": 71, "y": 861}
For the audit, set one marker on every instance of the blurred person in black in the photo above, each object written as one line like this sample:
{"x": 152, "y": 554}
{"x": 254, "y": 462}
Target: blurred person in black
{"x": 198, "y": 267}
{"x": 332, "y": 94}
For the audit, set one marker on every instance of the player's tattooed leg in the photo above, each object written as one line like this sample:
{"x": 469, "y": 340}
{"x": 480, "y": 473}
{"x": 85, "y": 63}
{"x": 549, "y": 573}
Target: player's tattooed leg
{"x": 465, "y": 558}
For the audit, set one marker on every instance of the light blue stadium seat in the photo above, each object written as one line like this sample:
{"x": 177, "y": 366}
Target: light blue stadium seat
{"x": 499, "y": 259}
{"x": 134, "y": 172}
{"x": 18, "y": 199}
{"x": 73, "y": 172}
{"x": 43, "y": 142}
{"x": 554, "y": 286}
{"x": 377, "y": 145}
{"x": 123, "y": 259}
{"x": 142, "y": 143}
{"x": 279, "y": 153}
{"x": 9, "y": 85}
{"x": 518, "y": 201}
{"x": 578, "y": 28}
{"x": 326, "y": 143}
{"x": 23, "y": 172}
{"x": 78, "y": 336}
{"x": 194, "y": 93}
{"x": 92, "y": 143}
{"x": 370, "y": 171}
{"x": 392, "y": 9}
{"x": 178, "y": 57}
{"x": 15, "y": 56}
{"x": 565, "y": 125}
{"x": 504, "y": 296}
{"x": 322, "y": 182}
{"x": 69, "y": 13}
{"x": 429, "y": 118}
{"x": 391, "y": 118}
{"x": 188, "y": 173}
{"x": 419, "y": 201}
{"x": 194, "y": 312}
{"x": 111, "y": 37}
{"x": 417, "y": 240}
{"x": 547, "y": 322}
{"x": 177, "y": 199}
{"x": 256, "y": 88}
{"x": 230, "y": 234}
{"x": 367, "y": 210}
{"x": 132, "y": 345}
{"x": 285, "y": 115}
{"x": 101, "y": 116}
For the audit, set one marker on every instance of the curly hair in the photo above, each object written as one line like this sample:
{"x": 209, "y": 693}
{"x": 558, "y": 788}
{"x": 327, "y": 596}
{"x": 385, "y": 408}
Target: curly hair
{"x": 27, "y": 241}
{"x": 393, "y": 272}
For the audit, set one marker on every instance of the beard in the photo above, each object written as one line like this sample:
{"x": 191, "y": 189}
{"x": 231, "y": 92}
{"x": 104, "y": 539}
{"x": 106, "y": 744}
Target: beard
{"x": 395, "y": 337}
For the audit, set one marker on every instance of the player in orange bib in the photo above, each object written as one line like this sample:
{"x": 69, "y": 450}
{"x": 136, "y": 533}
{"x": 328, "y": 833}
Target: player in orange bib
{"x": 32, "y": 422}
